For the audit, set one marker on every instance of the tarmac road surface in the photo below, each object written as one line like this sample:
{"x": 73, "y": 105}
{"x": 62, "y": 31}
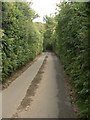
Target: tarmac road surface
{"x": 50, "y": 98}
{"x": 13, "y": 95}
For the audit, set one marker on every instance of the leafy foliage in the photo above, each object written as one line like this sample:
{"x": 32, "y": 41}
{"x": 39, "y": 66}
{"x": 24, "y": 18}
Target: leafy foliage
{"x": 70, "y": 42}
{"x": 72, "y": 30}
{"x": 66, "y": 34}
{"x": 49, "y": 29}
{"x": 21, "y": 41}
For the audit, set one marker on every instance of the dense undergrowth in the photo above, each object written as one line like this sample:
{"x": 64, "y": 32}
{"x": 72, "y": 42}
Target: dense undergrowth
{"x": 67, "y": 33}
{"x": 21, "y": 40}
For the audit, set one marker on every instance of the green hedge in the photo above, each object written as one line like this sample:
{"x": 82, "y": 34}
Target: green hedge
{"x": 72, "y": 48}
{"x": 67, "y": 32}
{"x": 21, "y": 42}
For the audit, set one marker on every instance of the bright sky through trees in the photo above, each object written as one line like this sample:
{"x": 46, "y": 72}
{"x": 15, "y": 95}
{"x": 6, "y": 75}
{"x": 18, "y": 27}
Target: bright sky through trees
{"x": 44, "y": 7}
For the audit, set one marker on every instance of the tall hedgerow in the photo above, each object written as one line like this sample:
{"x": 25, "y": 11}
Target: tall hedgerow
{"x": 21, "y": 41}
{"x": 69, "y": 38}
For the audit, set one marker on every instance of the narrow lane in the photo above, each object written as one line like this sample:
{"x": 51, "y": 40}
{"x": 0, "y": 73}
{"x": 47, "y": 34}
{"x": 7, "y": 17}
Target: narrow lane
{"x": 51, "y": 99}
{"x": 13, "y": 95}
